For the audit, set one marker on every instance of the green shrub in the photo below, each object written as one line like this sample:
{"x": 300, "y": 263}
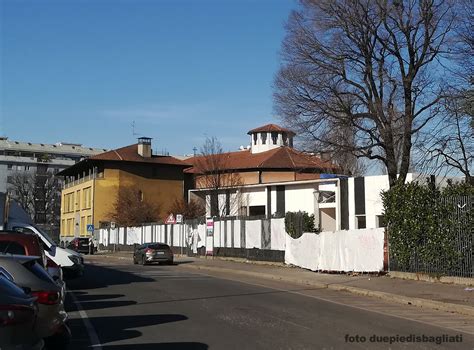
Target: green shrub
{"x": 296, "y": 223}
{"x": 424, "y": 224}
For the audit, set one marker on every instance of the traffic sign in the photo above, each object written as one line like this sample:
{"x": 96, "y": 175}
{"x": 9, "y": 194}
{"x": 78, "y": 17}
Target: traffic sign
{"x": 90, "y": 228}
{"x": 179, "y": 218}
{"x": 170, "y": 219}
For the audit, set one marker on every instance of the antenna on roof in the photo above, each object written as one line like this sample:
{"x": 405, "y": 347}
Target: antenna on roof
{"x": 133, "y": 129}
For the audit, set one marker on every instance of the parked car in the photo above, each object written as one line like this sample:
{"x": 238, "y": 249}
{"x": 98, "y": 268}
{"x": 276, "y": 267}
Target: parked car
{"x": 27, "y": 273}
{"x": 29, "y": 244}
{"x": 71, "y": 262}
{"x": 18, "y": 314}
{"x": 16, "y": 243}
{"x": 82, "y": 245}
{"x": 153, "y": 252}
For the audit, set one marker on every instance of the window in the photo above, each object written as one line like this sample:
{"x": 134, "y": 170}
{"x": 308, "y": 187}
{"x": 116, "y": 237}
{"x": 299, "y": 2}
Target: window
{"x": 9, "y": 247}
{"x": 274, "y": 137}
{"x": 255, "y": 137}
{"x": 285, "y": 139}
{"x": 264, "y": 138}
{"x": 83, "y": 225}
{"x": 87, "y": 198}
{"x": 381, "y": 221}
{"x": 78, "y": 200}
{"x": 22, "y": 229}
{"x": 360, "y": 222}
{"x": 10, "y": 166}
{"x": 257, "y": 210}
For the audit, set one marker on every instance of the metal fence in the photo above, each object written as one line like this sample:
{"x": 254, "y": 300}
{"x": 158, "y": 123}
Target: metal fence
{"x": 459, "y": 233}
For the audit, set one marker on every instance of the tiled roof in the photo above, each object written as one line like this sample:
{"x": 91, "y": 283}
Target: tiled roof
{"x": 130, "y": 154}
{"x": 270, "y": 128}
{"x": 278, "y": 158}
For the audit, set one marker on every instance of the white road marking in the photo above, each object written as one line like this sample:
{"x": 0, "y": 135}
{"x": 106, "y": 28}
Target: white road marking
{"x": 95, "y": 342}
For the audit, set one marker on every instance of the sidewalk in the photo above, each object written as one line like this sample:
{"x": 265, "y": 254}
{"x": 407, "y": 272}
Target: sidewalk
{"x": 446, "y": 297}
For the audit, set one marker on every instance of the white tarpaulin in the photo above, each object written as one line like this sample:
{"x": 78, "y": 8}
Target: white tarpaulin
{"x": 353, "y": 250}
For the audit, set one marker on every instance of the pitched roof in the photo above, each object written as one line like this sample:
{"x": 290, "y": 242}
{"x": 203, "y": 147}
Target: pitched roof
{"x": 130, "y": 154}
{"x": 270, "y": 128}
{"x": 279, "y": 158}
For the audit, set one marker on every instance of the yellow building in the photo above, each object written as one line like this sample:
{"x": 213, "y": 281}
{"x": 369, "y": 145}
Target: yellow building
{"x": 92, "y": 185}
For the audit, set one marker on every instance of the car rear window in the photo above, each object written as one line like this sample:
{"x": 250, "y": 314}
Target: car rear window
{"x": 10, "y": 247}
{"x": 158, "y": 246}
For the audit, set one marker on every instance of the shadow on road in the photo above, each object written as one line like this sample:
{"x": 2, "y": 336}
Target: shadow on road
{"x": 164, "y": 346}
{"x": 113, "y": 328}
{"x": 84, "y": 297}
{"x": 96, "y": 276}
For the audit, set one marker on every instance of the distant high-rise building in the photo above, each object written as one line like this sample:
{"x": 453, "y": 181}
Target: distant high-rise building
{"x": 27, "y": 171}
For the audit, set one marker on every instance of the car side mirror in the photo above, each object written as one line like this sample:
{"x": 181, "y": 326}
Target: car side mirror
{"x": 27, "y": 290}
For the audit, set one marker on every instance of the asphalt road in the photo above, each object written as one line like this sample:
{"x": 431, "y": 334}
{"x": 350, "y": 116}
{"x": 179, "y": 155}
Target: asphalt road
{"x": 121, "y": 306}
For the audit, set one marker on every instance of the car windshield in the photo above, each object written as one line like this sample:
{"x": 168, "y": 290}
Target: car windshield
{"x": 46, "y": 236}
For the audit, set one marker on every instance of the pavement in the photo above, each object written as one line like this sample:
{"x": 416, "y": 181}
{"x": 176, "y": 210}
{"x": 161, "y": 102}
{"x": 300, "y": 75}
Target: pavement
{"x": 439, "y": 296}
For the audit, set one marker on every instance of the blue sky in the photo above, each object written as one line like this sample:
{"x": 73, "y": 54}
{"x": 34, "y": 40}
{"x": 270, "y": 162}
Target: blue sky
{"x": 82, "y": 71}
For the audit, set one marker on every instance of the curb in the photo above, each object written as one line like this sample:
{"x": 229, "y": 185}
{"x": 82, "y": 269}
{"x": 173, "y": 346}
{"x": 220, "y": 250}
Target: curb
{"x": 400, "y": 299}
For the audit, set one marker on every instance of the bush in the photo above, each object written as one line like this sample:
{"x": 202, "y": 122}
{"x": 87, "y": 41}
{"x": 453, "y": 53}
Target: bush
{"x": 425, "y": 226}
{"x": 296, "y": 223}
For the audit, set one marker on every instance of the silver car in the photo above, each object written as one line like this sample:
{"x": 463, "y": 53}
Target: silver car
{"x": 18, "y": 314}
{"x": 26, "y": 272}
{"x": 153, "y": 252}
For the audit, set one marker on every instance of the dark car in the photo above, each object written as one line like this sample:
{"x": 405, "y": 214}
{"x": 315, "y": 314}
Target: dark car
{"x": 153, "y": 252}
{"x": 81, "y": 245}
{"x": 18, "y": 314}
{"x": 27, "y": 273}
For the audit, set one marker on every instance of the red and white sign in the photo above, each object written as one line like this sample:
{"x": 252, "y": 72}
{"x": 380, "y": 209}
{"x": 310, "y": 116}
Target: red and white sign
{"x": 170, "y": 219}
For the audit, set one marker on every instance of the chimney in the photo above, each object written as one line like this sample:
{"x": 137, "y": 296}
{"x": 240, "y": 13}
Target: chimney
{"x": 144, "y": 147}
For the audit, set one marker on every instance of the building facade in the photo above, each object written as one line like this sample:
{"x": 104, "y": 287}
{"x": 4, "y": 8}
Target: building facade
{"x": 254, "y": 180}
{"x": 92, "y": 185}
{"x": 27, "y": 174}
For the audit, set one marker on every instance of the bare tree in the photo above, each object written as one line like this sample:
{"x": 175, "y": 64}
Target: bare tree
{"x": 21, "y": 187}
{"x": 131, "y": 208}
{"x": 343, "y": 136}
{"x": 451, "y": 145}
{"x": 215, "y": 175}
{"x": 190, "y": 210}
{"x": 373, "y": 65}
{"x": 39, "y": 194}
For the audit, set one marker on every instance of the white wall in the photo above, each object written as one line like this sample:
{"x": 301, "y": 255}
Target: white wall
{"x": 253, "y": 235}
{"x": 256, "y": 196}
{"x": 352, "y": 250}
{"x": 278, "y": 240}
{"x": 300, "y": 197}
{"x": 374, "y": 185}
